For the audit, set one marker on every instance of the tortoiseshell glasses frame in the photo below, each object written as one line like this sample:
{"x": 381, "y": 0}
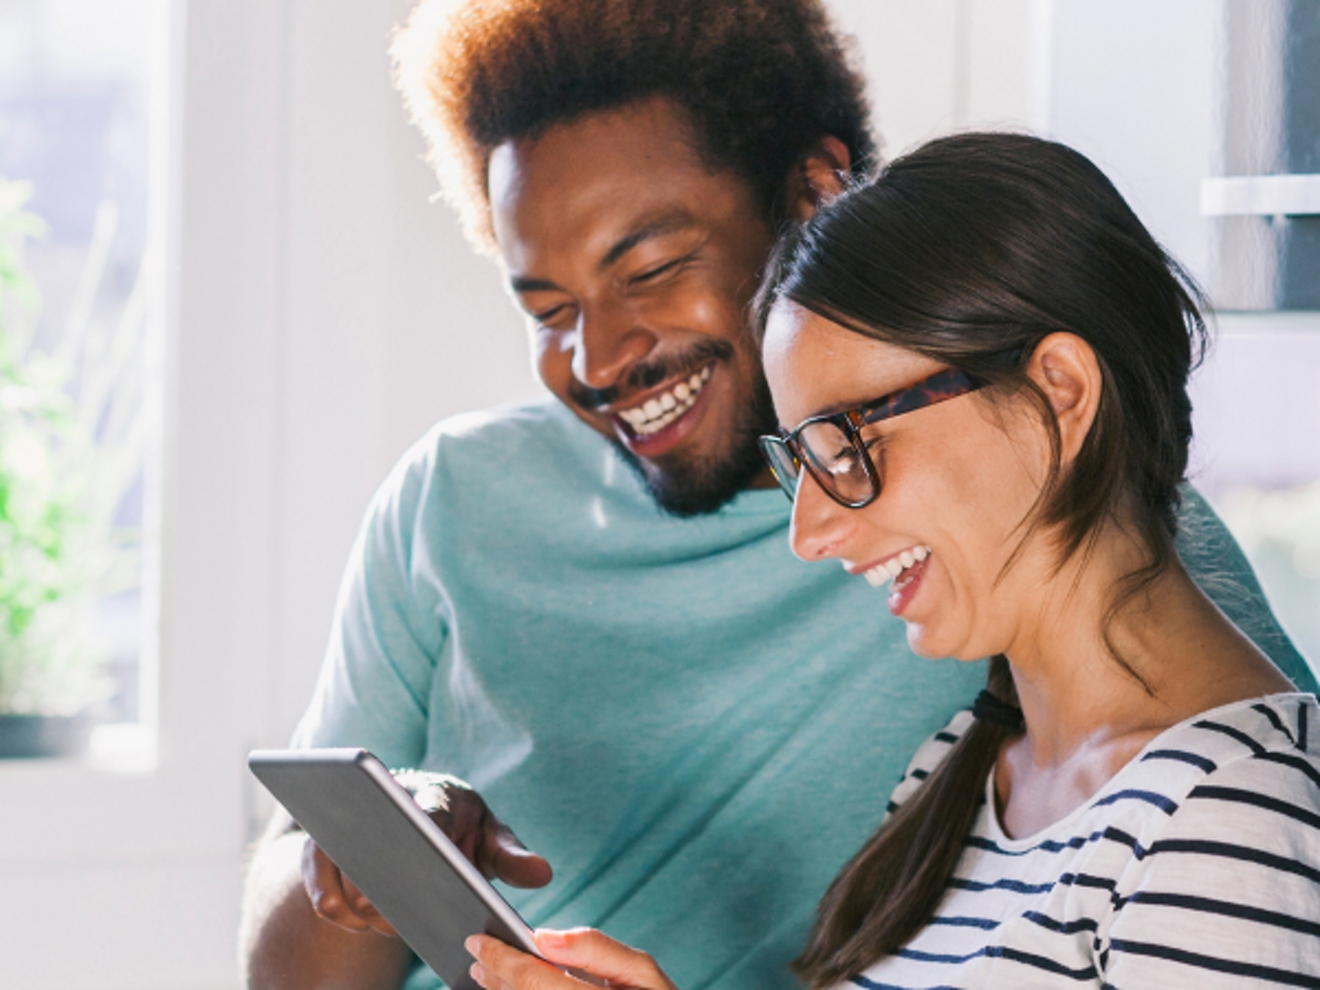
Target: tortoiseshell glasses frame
{"x": 831, "y": 446}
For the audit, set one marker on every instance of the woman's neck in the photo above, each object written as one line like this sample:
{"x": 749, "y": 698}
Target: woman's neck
{"x": 1091, "y": 701}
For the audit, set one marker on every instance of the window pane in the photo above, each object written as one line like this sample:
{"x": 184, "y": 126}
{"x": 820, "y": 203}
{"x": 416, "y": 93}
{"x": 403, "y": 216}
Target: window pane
{"x": 1257, "y": 416}
{"x": 75, "y": 107}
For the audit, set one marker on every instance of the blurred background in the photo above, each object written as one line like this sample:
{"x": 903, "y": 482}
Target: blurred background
{"x": 247, "y": 306}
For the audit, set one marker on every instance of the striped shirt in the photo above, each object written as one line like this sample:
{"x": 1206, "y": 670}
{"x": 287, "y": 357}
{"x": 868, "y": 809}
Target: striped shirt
{"x": 1197, "y": 866}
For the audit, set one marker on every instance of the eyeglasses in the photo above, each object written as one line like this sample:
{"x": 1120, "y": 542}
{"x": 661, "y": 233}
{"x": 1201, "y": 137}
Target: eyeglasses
{"x": 833, "y": 451}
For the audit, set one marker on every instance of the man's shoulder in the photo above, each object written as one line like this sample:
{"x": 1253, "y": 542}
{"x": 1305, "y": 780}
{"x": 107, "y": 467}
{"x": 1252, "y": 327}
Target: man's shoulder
{"x": 486, "y": 444}
{"x": 542, "y": 420}
{"x": 536, "y": 443}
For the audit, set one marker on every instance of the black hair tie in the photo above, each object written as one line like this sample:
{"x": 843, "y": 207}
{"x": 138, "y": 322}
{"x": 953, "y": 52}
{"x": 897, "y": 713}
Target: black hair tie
{"x": 988, "y": 708}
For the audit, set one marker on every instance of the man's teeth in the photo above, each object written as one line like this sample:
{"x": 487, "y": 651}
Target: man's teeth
{"x": 895, "y": 565}
{"x": 658, "y": 412}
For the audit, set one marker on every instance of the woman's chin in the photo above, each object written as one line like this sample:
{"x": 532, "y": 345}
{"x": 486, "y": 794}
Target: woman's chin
{"x": 925, "y": 642}
{"x": 920, "y": 642}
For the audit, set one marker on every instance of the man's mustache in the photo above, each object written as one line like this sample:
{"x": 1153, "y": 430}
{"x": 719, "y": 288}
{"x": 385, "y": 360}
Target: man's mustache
{"x": 646, "y": 374}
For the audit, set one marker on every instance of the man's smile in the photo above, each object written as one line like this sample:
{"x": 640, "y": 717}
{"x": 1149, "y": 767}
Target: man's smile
{"x": 667, "y": 405}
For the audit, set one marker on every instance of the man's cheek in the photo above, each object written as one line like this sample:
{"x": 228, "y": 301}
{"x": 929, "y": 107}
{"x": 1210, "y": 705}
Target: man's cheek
{"x": 553, "y": 360}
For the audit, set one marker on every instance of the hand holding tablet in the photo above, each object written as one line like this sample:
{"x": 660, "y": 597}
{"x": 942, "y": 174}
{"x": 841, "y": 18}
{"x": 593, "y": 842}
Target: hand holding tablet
{"x": 377, "y": 834}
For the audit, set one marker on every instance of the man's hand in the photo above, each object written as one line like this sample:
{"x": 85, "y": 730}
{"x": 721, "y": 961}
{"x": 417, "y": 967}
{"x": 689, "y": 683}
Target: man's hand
{"x": 463, "y": 816}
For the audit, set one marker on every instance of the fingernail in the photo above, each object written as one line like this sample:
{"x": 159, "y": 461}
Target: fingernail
{"x": 472, "y": 944}
{"x": 548, "y": 936}
{"x": 478, "y": 973}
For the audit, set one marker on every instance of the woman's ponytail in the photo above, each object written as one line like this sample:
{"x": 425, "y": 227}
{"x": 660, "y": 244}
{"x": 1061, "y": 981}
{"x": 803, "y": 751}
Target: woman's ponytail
{"x": 892, "y": 887}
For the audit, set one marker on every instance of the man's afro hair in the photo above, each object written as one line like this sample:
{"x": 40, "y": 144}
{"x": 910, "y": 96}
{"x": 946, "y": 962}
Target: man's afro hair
{"x": 762, "y": 81}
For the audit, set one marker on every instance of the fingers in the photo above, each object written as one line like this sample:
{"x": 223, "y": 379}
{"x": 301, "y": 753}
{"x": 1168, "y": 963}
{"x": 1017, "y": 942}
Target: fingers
{"x": 485, "y": 840}
{"x": 358, "y": 903}
{"x": 601, "y": 956}
{"x": 335, "y": 898}
{"x": 510, "y": 860}
{"x": 501, "y": 967}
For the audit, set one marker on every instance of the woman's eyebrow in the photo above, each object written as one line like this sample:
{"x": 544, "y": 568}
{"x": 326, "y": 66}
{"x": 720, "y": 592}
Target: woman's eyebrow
{"x": 848, "y": 405}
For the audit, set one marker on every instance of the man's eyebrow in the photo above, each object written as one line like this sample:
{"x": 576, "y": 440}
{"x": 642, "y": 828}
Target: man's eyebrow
{"x": 522, "y": 283}
{"x": 657, "y": 227}
{"x": 667, "y": 224}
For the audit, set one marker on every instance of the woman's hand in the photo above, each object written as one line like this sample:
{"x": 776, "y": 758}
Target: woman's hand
{"x": 502, "y": 967}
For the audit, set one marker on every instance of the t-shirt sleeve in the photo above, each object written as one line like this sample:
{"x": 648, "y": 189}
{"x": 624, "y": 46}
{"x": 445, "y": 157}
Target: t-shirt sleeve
{"x": 929, "y": 755}
{"x": 1219, "y": 566}
{"x": 389, "y": 629}
{"x": 1227, "y": 893}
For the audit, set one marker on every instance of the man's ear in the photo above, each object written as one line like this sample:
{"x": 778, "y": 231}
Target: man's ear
{"x": 1066, "y": 369}
{"x": 821, "y": 175}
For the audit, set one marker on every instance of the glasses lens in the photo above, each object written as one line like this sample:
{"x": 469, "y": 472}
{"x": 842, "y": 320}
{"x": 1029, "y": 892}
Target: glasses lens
{"x": 783, "y": 465}
{"x": 838, "y": 463}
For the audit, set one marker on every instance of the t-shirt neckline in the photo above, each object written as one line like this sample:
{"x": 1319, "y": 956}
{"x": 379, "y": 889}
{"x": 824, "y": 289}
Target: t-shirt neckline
{"x": 1116, "y": 782}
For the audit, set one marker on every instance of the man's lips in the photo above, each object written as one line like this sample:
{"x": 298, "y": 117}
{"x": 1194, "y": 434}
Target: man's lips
{"x": 666, "y": 418}
{"x": 644, "y": 417}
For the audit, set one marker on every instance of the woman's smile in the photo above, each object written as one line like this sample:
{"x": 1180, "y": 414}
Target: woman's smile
{"x": 891, "y": 567}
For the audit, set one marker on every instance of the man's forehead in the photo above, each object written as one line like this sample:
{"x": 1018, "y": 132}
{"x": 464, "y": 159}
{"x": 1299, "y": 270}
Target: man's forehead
{"x": 625, "y": 174}
{"x": 641, "y": 137}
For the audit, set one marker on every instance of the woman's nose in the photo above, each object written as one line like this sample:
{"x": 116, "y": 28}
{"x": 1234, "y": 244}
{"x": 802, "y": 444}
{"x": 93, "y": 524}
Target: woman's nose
{"x": 819, "y": 523}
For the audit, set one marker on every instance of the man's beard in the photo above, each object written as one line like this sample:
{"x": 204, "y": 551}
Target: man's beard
{"x": 700, "y": 485}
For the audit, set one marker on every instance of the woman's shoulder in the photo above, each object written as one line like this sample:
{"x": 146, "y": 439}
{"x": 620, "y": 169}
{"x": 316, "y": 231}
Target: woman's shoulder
{"x": 929, "y": 755}
{"x": 1227, "y": 773}
{"x": 1225, "y": 883}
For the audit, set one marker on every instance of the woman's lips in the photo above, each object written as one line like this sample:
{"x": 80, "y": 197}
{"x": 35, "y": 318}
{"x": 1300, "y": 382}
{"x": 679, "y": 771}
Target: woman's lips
{"x": 892, "y": 566}
{"x": 905, "y": 586}
{"x": 904, "y": 569}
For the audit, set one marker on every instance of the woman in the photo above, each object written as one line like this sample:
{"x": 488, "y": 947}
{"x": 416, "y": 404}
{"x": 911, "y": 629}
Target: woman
{"x": 985, "y": 357}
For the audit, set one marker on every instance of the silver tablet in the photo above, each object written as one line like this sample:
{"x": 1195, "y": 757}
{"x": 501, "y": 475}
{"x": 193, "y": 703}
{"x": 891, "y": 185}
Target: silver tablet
{"x": 378, "y": 836}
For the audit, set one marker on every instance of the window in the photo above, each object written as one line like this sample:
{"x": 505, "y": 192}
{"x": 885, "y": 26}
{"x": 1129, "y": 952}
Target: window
{"x": 76, "y": 134}
{"x": 1258, "y": 409}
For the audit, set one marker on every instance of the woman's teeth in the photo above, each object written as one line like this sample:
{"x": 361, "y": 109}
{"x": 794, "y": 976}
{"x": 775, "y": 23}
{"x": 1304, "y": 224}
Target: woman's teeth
{"x": 896, "y": 565}
{"x": 659, "y": 411}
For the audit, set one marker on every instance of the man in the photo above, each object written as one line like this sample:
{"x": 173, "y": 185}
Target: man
{"x": 587, "y": 607}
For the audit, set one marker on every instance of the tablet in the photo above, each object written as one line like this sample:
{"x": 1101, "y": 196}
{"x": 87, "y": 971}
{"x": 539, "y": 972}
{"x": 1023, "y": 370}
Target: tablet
{"x": 377, "y": 835}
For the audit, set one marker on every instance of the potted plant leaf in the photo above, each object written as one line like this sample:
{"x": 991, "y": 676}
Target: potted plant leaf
{"x": 66, "y": 455}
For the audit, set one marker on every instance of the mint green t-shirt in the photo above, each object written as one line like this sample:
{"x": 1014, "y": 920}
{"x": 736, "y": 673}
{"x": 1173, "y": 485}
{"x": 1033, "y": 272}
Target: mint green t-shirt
{"x": 694, "y": 727}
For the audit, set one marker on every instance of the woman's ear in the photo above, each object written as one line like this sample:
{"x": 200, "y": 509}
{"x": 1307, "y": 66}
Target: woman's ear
{"x": 820, "y": 176}
{"x": 1066, "y": 369}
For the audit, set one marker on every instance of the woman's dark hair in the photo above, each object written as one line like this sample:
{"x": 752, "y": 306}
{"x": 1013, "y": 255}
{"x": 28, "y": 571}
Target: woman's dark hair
{"x": 971, "y": 250}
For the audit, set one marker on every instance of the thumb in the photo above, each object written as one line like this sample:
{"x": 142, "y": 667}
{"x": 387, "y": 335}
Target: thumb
{"x": 598, "y": 954}
{"x": 515, "y": 864}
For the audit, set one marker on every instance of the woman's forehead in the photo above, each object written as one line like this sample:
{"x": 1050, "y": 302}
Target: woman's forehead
{"x": 814, "y": 364}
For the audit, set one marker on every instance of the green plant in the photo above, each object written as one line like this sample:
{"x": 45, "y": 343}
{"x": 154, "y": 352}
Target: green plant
{"x": 70, "y": 444}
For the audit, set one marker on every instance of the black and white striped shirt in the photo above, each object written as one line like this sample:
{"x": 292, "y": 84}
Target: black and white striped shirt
{"x": 1197, "y": 866}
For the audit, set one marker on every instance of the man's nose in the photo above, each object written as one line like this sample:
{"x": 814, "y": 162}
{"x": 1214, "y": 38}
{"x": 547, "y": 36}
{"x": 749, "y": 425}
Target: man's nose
{"x": 819, "y": 523}
{"x": 608, "y": 341}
